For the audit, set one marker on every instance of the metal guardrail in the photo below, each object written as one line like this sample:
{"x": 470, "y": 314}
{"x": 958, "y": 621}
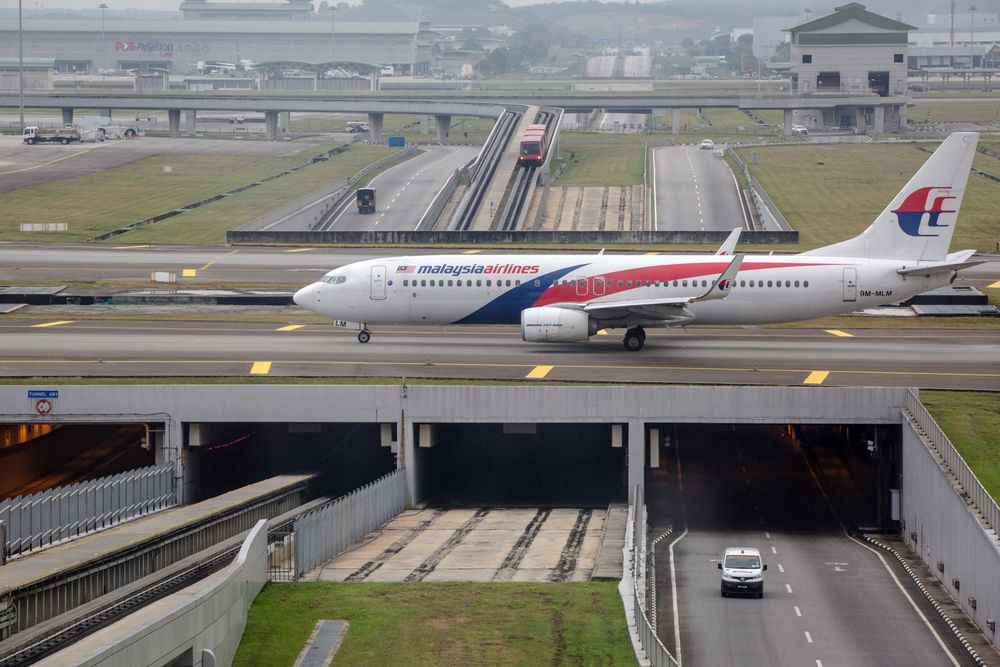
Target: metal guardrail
{"x": 323, "y": 533}
{"x": 972, "y": 488}
{"x": 430, "y": 217}
{"x": 765, "y": 206}
{"x": 654, "y": 649}
{"x": 57, "y": 514}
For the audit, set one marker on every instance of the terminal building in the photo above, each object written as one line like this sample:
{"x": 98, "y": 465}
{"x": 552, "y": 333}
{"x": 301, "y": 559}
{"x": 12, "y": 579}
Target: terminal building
{"x": 90, "y": 45}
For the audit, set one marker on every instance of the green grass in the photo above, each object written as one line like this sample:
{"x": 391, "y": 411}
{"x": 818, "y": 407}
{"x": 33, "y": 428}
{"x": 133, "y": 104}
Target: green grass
{"x": 442, "y": 624}
{"x": 986, "y": 112}
{"x": 832, "y": 192}
{"x": 101, "y": 201}
{"x": 208, "y": 224}
{"x": 971, "y": 420}
{"x": 602, "y": 159}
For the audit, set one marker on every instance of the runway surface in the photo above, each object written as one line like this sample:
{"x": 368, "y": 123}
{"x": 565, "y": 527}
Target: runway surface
{"x": 68, "y": 346}
{"x": 694, "y": 190}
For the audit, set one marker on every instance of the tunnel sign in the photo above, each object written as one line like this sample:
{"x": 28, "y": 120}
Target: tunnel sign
{"x": 44, "y": 400}
{"x": 43, "y": 406}
{"x": 43, "y": 393}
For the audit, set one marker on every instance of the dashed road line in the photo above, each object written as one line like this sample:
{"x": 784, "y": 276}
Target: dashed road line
{"x": 781, "y": 568}
{"x": 51, "y": 324}
{"x": 260, "y": 368}
{"x": 538, "y": 372}
{"x": 816, "y": 377}
{"x": 788, "y": 587}
{"x": 798, "y": 612}
{"x": 809, "y": 637}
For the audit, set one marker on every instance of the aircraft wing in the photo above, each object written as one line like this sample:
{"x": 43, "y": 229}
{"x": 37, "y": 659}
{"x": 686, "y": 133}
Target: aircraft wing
{"x": 953, "y": 262}
{"x": 729, "y": 245}
{"x": 672, "y": 308}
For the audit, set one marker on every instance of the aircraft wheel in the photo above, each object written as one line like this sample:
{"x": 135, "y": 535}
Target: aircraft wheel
{"x": 364, "y": 336}
{"x": 64, "y": 141}
{"x": 634, "y": 340}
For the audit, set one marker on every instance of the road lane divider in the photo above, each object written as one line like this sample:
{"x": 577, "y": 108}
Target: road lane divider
{"x": 838, "y": 332}
{"x": 816, "y": 377}
{"x": 260, "y": 368}
{"x": 52, "y": 324}
{"x": 290, "y": 327}
{"x": 539, "y": 372}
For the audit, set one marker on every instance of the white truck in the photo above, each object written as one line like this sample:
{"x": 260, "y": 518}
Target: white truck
{"x": 36, "y": 135}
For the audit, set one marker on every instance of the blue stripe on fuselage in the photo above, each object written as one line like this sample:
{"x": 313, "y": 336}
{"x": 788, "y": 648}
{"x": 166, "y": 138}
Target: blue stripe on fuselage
{"x": 506, "y": 308}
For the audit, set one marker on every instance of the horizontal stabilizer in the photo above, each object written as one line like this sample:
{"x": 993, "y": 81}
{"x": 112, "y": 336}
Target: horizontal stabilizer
{"x": 953, "y": 262}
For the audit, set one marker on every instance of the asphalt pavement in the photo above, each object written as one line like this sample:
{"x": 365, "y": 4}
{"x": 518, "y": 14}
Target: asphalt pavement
{"x": 694, "y": 190}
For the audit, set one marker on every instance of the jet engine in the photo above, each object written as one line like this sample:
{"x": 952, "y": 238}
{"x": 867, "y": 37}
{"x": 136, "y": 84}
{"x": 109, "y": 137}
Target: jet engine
{"x": 548, "y": 324}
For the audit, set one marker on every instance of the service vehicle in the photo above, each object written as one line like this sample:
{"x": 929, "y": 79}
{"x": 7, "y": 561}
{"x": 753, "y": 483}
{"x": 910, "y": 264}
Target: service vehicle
{"x": 356, "y": 126}
{"x": 742, "y": 572}
{"x": 365, "y": 199}
{"x": 706, "y": 145}
{"x": 37, "y": 135}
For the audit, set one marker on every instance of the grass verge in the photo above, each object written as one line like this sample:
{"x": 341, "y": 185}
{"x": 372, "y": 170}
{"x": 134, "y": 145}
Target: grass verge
{"x": 972, "y": 422}
{"x": 442, "y": 624}
{"x": 833, "y": 192}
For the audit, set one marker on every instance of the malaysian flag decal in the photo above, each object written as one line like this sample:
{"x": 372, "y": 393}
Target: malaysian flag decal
{"x": 405, "y": 268}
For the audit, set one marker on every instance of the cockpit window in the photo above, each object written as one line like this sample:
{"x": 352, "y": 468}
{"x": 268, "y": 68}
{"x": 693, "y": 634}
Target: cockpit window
{"x": 334, "y": 280}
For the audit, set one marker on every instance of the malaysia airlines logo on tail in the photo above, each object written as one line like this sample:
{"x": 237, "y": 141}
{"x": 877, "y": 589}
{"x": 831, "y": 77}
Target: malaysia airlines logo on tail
{"x": 913, "y": 209}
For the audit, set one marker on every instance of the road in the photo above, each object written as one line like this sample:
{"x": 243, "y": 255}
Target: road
{"x": 694, "y": 189}
{"x": 406, "y": 191}
{"x": 828, "y": 600}
{"x": 69, "y": 344}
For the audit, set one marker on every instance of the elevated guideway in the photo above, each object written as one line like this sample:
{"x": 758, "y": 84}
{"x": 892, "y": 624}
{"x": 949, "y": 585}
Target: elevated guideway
{"x": 495, "y": 194}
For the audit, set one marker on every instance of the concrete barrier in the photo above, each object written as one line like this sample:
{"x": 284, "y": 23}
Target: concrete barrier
{"x": 201, "y": 625}
{"x": 377, "y": 237}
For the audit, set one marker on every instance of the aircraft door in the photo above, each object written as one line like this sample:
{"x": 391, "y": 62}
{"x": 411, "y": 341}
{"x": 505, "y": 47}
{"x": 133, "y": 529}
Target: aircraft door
{"x": 378, "y": 282}
{"x": 850, "y": 283}
{"x": 599, "y": 286}
{"x": 581, "y": 287}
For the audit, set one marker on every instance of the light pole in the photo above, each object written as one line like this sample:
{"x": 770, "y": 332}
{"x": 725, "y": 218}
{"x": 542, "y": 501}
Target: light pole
{"x": 332, "y": 10}
{"x": 20, "y": 68}
{"x": 104, "y": 42}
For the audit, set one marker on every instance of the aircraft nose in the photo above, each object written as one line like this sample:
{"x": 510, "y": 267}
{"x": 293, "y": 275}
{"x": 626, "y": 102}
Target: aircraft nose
{"x": 303, "y": 296}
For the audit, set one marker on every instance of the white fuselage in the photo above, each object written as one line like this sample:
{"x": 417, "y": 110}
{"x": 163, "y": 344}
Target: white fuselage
{"x": 484, "y": 289}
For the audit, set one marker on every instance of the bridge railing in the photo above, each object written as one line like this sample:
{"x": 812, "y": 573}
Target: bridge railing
{"x": 972, "y": 488}
{"x": 323, "y": 533}
{"x": 655, "y": 651}
{"x": 765, "y": 205}
{"x": 58, "y": 514}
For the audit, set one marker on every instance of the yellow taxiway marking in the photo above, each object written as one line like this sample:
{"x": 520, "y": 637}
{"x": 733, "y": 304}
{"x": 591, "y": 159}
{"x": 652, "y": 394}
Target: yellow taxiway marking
{"x": 602, "y": 332}
{"x": 52, "y": 324}
{"x": 130, "y": 247}
{"x": 538, "y": 372}
{"x": 471, "y": 252}
{"x": 260, "y": 368}
{"x": 816, "y": 377}
{"x": 290, "y": 327}
{"x": 652, "y": 253}
{"x": 300, "y": 249}
{"x": 45, "y": 164}
{"x": 995, "y": 285}
{"x": 216, "y": 259}
{"x": 189, "y": 273}
{"x": 838, "y": 332}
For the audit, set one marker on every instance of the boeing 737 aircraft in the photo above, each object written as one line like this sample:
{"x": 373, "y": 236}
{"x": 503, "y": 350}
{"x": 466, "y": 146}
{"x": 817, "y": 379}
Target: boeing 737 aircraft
{"x": 569, "y": 297}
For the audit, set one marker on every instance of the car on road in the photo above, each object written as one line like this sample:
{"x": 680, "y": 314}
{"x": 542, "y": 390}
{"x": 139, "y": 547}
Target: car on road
{"x": 742, "y": 572}
{"x": 801, "y": 130}
{"x": 706, "y": 145}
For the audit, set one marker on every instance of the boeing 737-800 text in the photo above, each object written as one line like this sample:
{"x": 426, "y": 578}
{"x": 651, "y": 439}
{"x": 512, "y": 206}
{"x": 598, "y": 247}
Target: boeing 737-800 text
{"x": 569, "y": 297}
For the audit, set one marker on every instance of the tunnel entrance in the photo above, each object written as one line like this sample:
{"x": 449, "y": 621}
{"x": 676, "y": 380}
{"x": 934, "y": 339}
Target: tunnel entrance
{"x": 551, "y": 465}
{"x": 219, "y": 457}
{"x": 38, "y": 456}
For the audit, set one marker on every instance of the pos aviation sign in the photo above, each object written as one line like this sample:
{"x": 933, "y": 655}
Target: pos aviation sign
{"x": 43, "y": 400}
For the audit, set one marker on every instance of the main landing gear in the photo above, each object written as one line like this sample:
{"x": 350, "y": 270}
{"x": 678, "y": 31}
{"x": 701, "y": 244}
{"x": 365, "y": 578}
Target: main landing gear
{"x": 635, "y": 338}
{"x": 364, "y": 336}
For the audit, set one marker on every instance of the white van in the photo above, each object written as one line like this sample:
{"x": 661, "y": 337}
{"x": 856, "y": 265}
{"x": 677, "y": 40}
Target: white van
{"x": 742, "y": 571}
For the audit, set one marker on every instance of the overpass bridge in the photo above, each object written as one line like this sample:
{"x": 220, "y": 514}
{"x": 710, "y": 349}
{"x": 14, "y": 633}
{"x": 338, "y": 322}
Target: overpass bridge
{"x": 889, "y": 110}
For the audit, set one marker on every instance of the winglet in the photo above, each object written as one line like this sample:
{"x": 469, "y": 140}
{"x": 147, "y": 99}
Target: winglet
{"x": 729, "y": 245}
{"x": 720, "y": 288}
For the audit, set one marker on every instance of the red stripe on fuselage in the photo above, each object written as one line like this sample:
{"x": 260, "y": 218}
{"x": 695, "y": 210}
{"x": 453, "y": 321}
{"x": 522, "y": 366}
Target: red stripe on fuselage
{"x": 568, "y": 293}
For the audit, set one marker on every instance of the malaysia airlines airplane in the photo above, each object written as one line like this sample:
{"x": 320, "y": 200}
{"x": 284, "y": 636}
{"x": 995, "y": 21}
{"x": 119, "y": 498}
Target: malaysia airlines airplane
{"x": 569, "y": 297}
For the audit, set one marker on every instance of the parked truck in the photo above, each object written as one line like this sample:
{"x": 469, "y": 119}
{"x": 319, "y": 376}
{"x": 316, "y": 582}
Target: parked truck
{"x": 66, "y": 135}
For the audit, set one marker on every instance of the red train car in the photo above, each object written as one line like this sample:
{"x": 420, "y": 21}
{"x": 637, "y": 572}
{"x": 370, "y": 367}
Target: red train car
{"x": 533, "y": 146}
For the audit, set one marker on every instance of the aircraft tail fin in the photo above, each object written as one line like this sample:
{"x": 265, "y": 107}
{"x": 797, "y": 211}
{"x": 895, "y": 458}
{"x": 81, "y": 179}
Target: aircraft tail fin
{"x": 920, "y": 221}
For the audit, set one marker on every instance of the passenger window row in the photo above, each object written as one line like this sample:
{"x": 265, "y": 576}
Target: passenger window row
{"x": 458, "y": 283}
{"x": 583, "y": 283}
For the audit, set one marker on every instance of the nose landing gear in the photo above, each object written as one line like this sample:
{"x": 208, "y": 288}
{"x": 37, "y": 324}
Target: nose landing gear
{"x": 635, "y": 338}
